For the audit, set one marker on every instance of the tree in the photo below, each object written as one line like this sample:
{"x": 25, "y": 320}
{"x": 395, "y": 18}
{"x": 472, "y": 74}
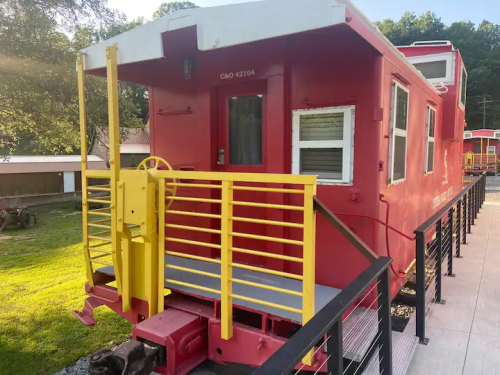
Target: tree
{"x": 38, "y": 96}
{"x": 479, "y": 47}
{"x": 173, "y": 6}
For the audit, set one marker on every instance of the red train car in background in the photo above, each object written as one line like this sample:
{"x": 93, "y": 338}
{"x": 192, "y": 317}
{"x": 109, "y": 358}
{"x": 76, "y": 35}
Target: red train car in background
{"x": 303, "y": 87}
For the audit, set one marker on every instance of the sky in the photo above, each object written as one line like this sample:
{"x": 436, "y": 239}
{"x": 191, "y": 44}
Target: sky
{"x": 376, "y": 10}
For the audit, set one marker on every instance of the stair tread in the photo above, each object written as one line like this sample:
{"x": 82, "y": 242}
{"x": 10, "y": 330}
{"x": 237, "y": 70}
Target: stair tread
{"x": 403, "y": 348}
{"x": 358, "y": 331}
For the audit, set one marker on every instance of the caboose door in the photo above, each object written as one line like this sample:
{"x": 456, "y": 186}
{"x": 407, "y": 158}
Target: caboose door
{"x": 242, "y": 126}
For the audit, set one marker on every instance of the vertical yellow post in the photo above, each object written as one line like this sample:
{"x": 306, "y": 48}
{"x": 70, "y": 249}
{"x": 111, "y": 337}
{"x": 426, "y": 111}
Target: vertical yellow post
{"x": 83, "y": 151}
{"x": 114, "y": 156}
{"x": 161, "y": 244}
{"x": 226, "y": 255}
{"x": 309, "y": 255}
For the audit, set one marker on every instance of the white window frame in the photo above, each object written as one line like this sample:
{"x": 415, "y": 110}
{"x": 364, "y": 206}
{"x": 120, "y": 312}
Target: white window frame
{"x": 428, "y": 139}
{"x": 467, "y": 135}
{"x": 449, "y": 57}
{"x": 347, "y": 144}
{"x": 494, "y": 150}
{"x": 460, "y": 104}
{"x": 397, "y": 132}
{"x": 496, "y": 134}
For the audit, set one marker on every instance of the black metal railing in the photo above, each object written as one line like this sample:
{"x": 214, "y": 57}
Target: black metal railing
{"x": 438, "y": 241}
{"x": 323, "y": 335}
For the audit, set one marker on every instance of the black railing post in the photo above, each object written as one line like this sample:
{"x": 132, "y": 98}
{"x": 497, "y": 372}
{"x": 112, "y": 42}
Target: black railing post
{"x": 483, "y": 185}
{"x": 459, "y": 228}
{"x": 439, "y": 260}
{"x": 476, "y": 199}
{"x": 420, "y": 281}
{"x": 335, "y": 350}
{"x": 465, "y": 216}
{"x": 384, "y": 325}
{"x": 484, "y": 188}
{"x": 471, "y": 205}
{"x": 449, "y": 240}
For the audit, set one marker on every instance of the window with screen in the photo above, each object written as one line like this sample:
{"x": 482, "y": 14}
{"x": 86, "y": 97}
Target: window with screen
{"x": 323, "y": 143}
{"x": 438, "y": 68}
{"x": 492, "y": 150}
{"x": 430, "y": 129}
{"x": 399, "y": 125}
{"x": 467, "y": 135}
{"x": 432, "y": 69}
{"x": 463, "y": 87}
{"x": 245, "y": 130}
{"x": 497, "y": 135}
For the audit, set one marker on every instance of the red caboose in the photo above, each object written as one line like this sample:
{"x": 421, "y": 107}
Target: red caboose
{"x": 289, "y": 88}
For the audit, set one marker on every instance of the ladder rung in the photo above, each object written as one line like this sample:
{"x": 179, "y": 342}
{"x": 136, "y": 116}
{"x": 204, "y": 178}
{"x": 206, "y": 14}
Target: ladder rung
{"x": 99, "y": 201}
{"x": 99, "y": 221}
{"x": 100, "y": 250}
{"x": 99, "y": 214}
{"x": 99, "y": 226}
{"x": 99, "y": 256}
{"x": 99, "y": 188}
{"x": 101, "y": 262}
{"x": 102, "y": 244}
{"x": 98, "y": 238}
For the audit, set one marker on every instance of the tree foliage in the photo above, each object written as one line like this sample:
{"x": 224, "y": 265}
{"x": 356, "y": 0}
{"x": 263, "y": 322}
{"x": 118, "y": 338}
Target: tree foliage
{"x": 479, "y": 47}
{"x": 38, "y": 84}
{"x": 173, "y": 6}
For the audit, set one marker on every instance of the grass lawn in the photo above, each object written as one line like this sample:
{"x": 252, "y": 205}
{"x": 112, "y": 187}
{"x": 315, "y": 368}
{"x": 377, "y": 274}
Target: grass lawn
{"x": 42, "y": 280}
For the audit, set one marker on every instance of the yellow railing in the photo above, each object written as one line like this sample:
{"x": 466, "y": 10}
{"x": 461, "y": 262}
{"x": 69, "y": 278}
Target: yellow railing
{"x": 101, "y": 240}
{"x": 215, "y": 192}
{"x": 473, "y": 161}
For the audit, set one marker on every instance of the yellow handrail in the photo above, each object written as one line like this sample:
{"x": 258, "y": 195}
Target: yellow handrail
{"x": 228, "y": 184}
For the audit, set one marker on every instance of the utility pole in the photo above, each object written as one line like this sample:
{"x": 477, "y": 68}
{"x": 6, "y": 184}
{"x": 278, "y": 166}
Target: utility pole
{"x": 484, "y": 102}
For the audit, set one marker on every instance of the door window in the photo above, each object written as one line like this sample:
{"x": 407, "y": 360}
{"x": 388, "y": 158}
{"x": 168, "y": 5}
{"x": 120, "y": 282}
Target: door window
{"x": 245, "y": 130}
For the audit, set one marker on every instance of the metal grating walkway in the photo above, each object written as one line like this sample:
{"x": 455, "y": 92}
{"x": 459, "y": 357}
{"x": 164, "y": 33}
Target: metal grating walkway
{"x": 403, "y": 347}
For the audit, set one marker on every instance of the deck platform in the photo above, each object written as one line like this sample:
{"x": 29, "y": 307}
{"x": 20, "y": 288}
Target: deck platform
{"x": 323, "y": 294}
{"x": 464, "y": 333}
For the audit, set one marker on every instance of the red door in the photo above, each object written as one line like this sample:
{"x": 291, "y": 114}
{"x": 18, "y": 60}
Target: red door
{"x": 242, "y": 132}
{"x": 242, "y": 127}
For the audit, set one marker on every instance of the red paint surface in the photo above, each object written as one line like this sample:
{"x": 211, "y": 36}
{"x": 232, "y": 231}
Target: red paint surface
{"x": 184, "y": 335}
{"x": 307, "y": 71}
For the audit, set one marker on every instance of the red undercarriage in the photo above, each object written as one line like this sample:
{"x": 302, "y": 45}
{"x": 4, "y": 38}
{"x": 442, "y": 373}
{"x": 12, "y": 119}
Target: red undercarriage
{"x": 190, "y": 330}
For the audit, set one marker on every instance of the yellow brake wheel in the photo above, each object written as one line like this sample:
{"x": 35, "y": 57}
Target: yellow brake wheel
{"x": 153, "y": 171}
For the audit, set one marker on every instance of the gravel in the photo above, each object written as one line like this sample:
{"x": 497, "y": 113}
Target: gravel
{"x": 79, "y": 368}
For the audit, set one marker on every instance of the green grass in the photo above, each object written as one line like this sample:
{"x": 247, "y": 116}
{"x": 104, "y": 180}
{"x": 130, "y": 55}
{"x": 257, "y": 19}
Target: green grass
{"x": 42, "y": 279}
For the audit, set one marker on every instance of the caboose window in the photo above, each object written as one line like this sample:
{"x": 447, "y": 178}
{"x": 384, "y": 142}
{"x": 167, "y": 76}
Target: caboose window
{"x": 399, "y": 124}
{"x": 323, "y": 143}
{"x": 463, "y": 87}
{"x": 429, "y": 139}
{"x": 437, "y": 68}
{"x": 245, "y": 130}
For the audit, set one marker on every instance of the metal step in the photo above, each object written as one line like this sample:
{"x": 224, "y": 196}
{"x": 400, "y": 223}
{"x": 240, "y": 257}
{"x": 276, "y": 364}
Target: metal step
{"x": 358, "y": 331}
{"x": 403, "y": 348}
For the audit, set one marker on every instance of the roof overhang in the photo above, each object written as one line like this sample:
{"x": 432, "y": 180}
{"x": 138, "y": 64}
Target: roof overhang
{"x": 220, "y": 27}
{"x": 237, "y": 24}
{"x": 480, "y": 137}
